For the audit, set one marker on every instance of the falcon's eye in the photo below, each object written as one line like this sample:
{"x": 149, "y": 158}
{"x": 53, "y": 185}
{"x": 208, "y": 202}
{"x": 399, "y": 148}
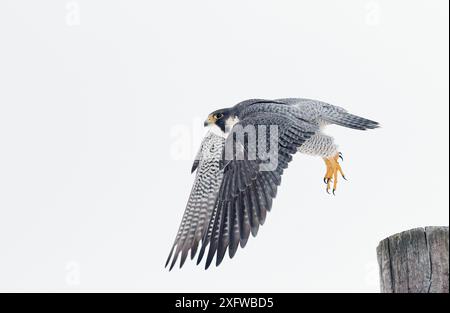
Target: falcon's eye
{"x": 218, "y": 116}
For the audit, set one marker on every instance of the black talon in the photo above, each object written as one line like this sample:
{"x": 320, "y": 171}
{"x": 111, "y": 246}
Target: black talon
{"x": 341, "y": 157}
{"x": 344, "y": 177}
{"x": 328, "y": 191}
{"x": 325, "y": 180}
{"x": 333, "y": 192}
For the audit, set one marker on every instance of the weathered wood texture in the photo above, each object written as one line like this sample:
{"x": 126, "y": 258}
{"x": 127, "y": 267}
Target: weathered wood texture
{"x": 415, "y": 261}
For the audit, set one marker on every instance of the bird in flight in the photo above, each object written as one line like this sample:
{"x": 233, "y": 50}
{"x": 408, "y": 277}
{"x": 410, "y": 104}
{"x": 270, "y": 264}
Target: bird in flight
{"x": 239, "y": 168}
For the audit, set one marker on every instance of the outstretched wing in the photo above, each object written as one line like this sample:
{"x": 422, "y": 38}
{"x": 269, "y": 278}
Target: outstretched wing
{"x": 201, "y": 201}
{"x": 250, "y": 184}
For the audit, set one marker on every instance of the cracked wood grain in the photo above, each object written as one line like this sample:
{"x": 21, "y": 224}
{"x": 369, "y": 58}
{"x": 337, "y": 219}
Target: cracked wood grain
{"x": 415, "y": 261}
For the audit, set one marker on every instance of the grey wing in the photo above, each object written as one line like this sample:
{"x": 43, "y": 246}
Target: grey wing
{"x": 246, "y": 191}
{"x": 201, "y": 200}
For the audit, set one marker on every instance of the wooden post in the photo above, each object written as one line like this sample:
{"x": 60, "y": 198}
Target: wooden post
{"x": 415, "y": 261}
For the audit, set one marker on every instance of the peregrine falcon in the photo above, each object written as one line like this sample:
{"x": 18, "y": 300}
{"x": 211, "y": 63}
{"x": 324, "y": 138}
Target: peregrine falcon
{"x": 240, "y": 164}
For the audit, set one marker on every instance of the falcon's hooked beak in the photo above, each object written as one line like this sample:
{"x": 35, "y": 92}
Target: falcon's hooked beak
{"x": 210, "y": 120}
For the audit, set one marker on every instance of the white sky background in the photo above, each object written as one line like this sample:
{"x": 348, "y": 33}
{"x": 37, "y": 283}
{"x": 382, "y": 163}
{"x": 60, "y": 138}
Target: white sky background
{"x": 93, "y": 95}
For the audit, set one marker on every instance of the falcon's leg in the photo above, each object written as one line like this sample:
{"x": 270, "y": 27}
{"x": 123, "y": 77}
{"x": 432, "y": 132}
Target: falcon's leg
{"x": 333, "y": 171}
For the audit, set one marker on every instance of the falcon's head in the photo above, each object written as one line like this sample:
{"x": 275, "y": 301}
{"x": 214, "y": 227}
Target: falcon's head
{"x": 224, "y": 119}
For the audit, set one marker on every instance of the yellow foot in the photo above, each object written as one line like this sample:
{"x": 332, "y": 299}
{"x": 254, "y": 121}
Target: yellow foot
{"x": 333, "y": 170}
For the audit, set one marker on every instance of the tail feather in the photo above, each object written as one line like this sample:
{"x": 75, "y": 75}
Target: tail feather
{"x": 352, "y": 121}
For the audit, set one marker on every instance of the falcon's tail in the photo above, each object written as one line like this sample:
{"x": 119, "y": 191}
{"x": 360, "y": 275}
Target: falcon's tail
{"x": 352, "y": 121}
{"x": 332, "y": 114}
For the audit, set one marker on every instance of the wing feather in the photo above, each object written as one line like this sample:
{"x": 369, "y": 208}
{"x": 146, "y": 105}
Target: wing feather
{"x": 201, "y": 203}
{"x": 234, "y": 227}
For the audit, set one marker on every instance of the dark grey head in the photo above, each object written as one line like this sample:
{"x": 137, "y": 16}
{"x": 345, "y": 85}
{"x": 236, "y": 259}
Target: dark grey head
{"x": 221, "y": 118}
